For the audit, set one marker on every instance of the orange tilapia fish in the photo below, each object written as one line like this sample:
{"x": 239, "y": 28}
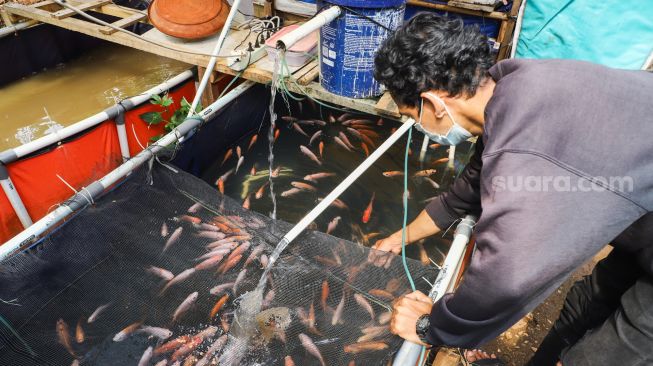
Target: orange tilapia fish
{"x": 275, "y": 172}
{"x": 253, "y": 171}
{"x": 261, "y": 191}
{"x": 321, "y": 147}
{"x": 325, "y": 294}
{"x": 239, "y": 152}
{"x": 368, "y": 141}
{"x": 246, "y": 202}
{"x": 187, "y": 348}
{"x": 440, "y": 161}
{"x": 230, "y": 264}
{"x": 172, "y": 345}
{"x": 227, "y": 155}
{"x": 315, "y": 176}
{"x": 365, "y": 346}
{"x": 79, "y": 332}
{"x": 381, "y": 293}
{"x": 252, "y": 142}
{"x": 218, "y": 305}
{"x": 393, "y": 173}
{"x": 276, "y": 134}
{"x": 221, "y": 185}
{"x": 63, "y": 334}
{"x": 123, "y": 334}
{"x": 288, "y": 361}
{"x": 368, "y": 211}
{"x": 425, "y": 173}
{"x": 304, "y": 186}
{"x": 369, "y": 133}
{"x": 365, "y": 148}
{"x": 306, "y": 151}
{"x": 434, "y": 146}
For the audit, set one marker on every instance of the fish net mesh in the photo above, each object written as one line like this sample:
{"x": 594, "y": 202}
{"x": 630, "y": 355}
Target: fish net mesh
{"x": 315, "y": 298}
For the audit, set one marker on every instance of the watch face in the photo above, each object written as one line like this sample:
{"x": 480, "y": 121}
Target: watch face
{"x": 423, "y": 324}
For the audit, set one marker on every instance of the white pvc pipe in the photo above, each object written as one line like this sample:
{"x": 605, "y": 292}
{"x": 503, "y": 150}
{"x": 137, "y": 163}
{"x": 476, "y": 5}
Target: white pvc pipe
{"x": 452, "y": 156}
{"x": 422, "y": 151}
{"x": 211, "y": 66}
{"x": 5, "y": 31}
{"x": 122, "y": 140}
{"x": 96, "y": 119}
{"x": 409, "y": 352}
{"x": 648, "y": 63}
{"x": 30, "y": 234}
{"x": 16, "y": 202}
{"x": 317, "y": 22}
{"x": 328, "y": 200}
{"x": 515, "y": 34}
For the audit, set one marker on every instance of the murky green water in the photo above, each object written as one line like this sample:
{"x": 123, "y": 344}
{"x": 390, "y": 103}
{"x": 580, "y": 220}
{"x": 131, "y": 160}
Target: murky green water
{"x": 58, "y": 97}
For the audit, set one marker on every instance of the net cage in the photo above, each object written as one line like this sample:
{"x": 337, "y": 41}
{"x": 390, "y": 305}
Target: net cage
{"x": 156, "y": 273}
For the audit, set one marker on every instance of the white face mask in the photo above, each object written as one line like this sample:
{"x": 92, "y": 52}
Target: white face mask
{"x": 454, "y": 136}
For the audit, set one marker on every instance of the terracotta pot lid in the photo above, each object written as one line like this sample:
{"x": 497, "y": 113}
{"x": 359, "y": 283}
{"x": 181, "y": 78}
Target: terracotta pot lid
{"x": 189, "y": 19}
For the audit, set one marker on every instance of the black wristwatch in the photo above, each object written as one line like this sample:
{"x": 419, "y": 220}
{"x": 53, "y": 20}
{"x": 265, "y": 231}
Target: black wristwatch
{"x": 422, "y": 326}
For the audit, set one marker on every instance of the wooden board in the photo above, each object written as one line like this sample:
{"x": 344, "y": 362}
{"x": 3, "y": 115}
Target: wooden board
{"x": 122, "y": 23}
{"x": 83, "y": 6}
{"x": 488, "y": 8}
{"x": 492, "y": 15}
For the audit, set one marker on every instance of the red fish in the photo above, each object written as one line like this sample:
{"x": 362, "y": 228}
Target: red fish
{"x": 333, "y": 224}
{"x": 369, "y": 133}
{"x": 259, "y": 193}
{"x": 79, "y": 332}
{"x": 309, "y": 345}
{"x": 239, "y": 152}
{"x": 303, "y": 186}
{"x": 253, "y": 171}
{"x": 218, "y": 305}
{"x": 276, "y": 135}
{"x": 341, "y": 143}
{"x": 63, "y": 334}
{"x": 290, "y": 192}
{"x": 172, "y": 345}
{"x": 221, "y": 186}
{"x": 230, "y": 264}
{"x": 246, "y": 202}
{"x": 252, "y": 142}
{"x": 321, "y": 146}
{"x": 299, "y": 129}
{"x": 209, "y": 263}
{"x": 314, "y": 137}
{"x": 187, "y": 348}
{"x": 123, "y": 334}
{"x": 325, "y": 294}
{"x": 439, "y": 161}
{"x": 314, "y": 177}
{"x": 434, "y": 146}
{"x": 368, "y": 211}
{"x": 365, "y": 148}
{"x": 425, "y": 173}
{"x": 184, "y": 306}
{"x": 365, "y": 346}
{"x": 393, "y": 173}
{"x": 344, "y": 139}
{"x": 227, "y": 155}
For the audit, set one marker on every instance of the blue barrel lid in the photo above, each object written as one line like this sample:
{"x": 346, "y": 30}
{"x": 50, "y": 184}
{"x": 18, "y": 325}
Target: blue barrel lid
{"x": 368, "y": 4}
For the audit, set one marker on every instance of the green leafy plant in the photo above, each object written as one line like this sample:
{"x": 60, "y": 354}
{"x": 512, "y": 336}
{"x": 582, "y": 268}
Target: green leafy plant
{"x": 178, "y": 116}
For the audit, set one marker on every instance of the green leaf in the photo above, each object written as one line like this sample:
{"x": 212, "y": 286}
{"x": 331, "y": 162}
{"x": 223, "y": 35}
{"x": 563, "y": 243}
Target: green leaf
{"x": 156, "y": 99}
{"x": 184, "y": 103}
{"x": 166, "y": 101}
{"x": 152, "y": 118}
{"x": 155, "y": 138}
{"x": 198, "y": 108}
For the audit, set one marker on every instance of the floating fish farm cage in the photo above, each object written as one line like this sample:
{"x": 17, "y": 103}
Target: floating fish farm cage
{"x": 153, "y": 265}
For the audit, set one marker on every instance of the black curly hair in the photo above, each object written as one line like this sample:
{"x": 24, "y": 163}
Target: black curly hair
{"x": 432, "y": 52}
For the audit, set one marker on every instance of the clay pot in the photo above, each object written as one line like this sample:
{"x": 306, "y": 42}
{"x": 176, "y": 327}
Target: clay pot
{"x": 188, "y": 19}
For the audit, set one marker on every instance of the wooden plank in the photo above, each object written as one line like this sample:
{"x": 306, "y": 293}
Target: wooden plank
{"x": 316, "y": 91}
{"x": 7, "y": 18}
{"x": 472, "y": 6}
{"x": 310, "y": 76}
{"x": 65, "y": 13}
{"x": 43, "y": 3}
{"x": 506, "y": 31}
{"x": 122, "y": 23}
{"x": 492, "y": 15}
{"x": 387, "y": 105}
{"x": 119, "y": 11}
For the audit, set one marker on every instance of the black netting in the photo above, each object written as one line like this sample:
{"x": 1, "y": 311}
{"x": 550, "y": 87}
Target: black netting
{"x": 103, "y": 257}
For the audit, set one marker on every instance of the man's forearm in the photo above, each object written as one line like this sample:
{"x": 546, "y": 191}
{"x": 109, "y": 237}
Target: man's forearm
{"x": 422, "y": 227}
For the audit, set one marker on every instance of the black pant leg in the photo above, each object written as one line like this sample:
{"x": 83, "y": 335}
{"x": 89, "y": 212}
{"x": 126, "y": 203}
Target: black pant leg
{"x": 588, "y": 304}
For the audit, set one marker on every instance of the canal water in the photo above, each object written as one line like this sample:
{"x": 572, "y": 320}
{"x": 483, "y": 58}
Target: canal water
{"x": 55, "y": 98}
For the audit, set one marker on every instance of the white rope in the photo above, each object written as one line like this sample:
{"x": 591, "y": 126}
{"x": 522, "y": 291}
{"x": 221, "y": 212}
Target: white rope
{"x": 88, "y": 199}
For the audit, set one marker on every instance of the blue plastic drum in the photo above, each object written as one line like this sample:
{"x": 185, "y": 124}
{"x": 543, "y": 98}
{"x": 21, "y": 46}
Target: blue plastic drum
{"x": 349, "y": 43}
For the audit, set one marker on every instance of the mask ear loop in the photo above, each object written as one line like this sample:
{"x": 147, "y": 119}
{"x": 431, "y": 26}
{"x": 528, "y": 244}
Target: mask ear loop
{"x": 421, "y": 110}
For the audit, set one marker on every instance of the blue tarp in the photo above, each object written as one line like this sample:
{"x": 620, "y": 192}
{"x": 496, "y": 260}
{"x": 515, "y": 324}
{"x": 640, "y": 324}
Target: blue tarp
{"x": 614, "y": 33}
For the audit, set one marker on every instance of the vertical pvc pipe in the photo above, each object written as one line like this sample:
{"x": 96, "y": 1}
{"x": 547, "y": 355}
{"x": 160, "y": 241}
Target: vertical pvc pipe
{"x": 452, "y": 156}
{"x": 122, "y": 134}
{"x": 14, "y": 198}
{"x": 211, "y": 66}
{"x": 422, "y": 151}
{"x": 409, "y": 352}
{"x": 515, "y": 35}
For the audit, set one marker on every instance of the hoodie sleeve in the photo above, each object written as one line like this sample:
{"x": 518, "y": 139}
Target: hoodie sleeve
{"x": 530, "y": 237}
{"x": 463, "y": 196}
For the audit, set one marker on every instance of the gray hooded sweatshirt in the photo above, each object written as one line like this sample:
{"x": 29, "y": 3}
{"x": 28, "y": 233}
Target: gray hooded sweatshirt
{"x": 564, "y": 167}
